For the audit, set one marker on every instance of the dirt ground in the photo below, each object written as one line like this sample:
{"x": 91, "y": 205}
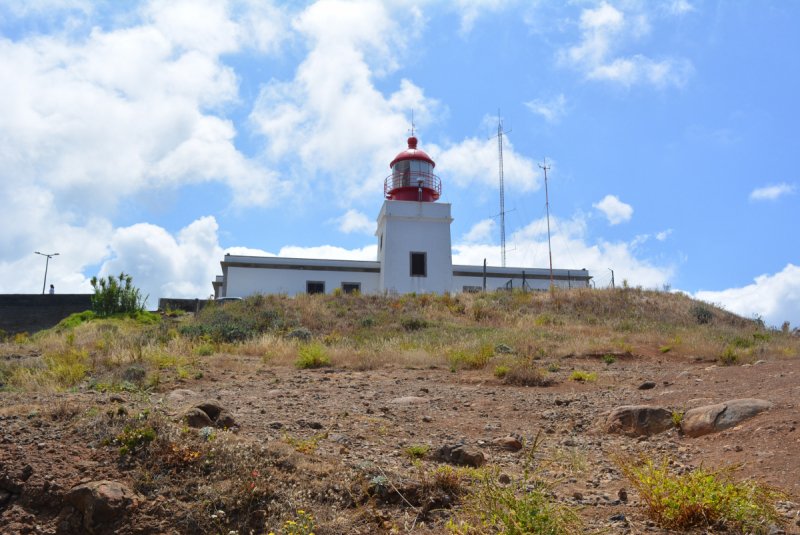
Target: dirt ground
{"x": 41, "y": 458}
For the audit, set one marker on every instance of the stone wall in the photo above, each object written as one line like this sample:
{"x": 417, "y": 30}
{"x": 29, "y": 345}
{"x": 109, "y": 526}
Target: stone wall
{"x": 188, "y": 305}
{"x": 34, "y": 312}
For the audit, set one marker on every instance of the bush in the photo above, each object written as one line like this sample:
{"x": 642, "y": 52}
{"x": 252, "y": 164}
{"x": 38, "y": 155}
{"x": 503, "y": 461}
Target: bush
{"x": 501, "y": 371}
{"x": 415, "y": 452}
{"x": 473, "y": 360}
{"x": 526, "y": 375}
{"x": 73, "y": 320}
{"x": 134, "y": 374}
{"x": 312, "y": 356}
{"x": 702, "y": 498}
{"x": 584, "y": 377}
{"x": 304, "y": 335}
{"x": 729, "y": 357}
{"x": 702, "y": 315}
{"x": 503, "y": 348}
{"x": 414, "y": 324}
{"x": 115, "y": 295}
{"x": 609, "y": 359}
{"x": 368, "y": 322}
{"x": 204, "y": 350}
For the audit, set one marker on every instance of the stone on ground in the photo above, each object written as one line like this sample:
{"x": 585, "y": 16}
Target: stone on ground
{"x": 102, "y": 501}
{"x": 459, "y": 454}
{"x": 714, "y": 418}
{"x": 409, "y": 400}
{"x": 638, "y": 420}
{"x": 196, "y": 418}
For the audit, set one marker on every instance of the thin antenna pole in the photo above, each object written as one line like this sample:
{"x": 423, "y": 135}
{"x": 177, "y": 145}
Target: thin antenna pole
{"x": 500, "y": 134}
{"x": 547, "y": 203}
{"x": 412, "y": 123}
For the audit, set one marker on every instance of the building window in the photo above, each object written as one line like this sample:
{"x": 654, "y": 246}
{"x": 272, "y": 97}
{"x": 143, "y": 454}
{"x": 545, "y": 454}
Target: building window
{"x": 381, "y": 247}
{"x": 350, "y": 287}
{"x": 419, "y": 264}
{"x": 315, "y": 287}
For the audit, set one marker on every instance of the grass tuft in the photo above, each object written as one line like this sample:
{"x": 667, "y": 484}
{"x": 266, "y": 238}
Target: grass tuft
{"x": 584, "y": 377}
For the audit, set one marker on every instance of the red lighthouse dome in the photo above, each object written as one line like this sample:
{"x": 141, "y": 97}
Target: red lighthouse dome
{"x": 412, "y": 177}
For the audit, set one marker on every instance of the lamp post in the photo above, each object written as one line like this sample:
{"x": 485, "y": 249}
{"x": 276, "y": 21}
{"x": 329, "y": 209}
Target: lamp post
{"x": 46, "y": 264}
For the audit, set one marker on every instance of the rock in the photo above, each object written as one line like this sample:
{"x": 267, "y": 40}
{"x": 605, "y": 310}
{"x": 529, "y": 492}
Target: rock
{"x": 275, "y": 425}
{"x": 578, "y": 496}
{"x": 684, "y": 374}
{"x": 759, "y": 362}
{"x": 211, "y": 407}
{"x": 619, "y": 517}
{"x": 713, "y": 418}
{"x": 225, "y": 420}
{"x": 622, "y": 494}
{"x": 638, "y": 420}
{"x": 427, "y": 419}
{"x": 490, "y": 427}
{"x": 459, "y": 454}
{"x": 116, "y": 398}
{"x": 102, "y": 501}
{"x": 647, "y": 385}
{"x": 504, "y": 479}
{"x": 341, "y": 439}
{"x": 181, "y": 394}
{"x": 4, "y": 497}
{"x": 509, "y": 443}
{"x": 196, "y": 418}
{"x": 409, "y": 400}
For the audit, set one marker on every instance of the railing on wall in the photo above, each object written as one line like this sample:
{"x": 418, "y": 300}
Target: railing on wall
{"x": 412, "y": 179}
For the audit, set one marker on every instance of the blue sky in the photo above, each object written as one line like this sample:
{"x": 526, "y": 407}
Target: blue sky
{"x": 154, "y": 137}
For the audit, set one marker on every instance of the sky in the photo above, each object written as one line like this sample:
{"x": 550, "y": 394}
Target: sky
{"x": 152, "y": 138}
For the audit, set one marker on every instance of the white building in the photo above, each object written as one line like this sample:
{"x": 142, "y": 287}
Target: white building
{"x": 414, "y": 251}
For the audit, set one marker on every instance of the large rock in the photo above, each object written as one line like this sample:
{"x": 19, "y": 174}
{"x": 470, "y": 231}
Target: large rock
{"x": 211, "y": 407}
{"x": 102, "y": 501}
{"x": 196, "y": 418}
{"x": 638, "y": 420}
{"x": 459, "y": 454}
{"x": 510, "y": 443}
{"x": 714, "y": 418}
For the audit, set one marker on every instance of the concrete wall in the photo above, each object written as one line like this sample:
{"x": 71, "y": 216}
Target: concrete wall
{"x": 34, "y": 312}
{"x": 408, "y": 227}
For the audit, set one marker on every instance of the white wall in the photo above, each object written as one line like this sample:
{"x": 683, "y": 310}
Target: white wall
{"x": 247, "y": 281}
{"x": 408, "y": 227}
{"x": 493, "y": 283}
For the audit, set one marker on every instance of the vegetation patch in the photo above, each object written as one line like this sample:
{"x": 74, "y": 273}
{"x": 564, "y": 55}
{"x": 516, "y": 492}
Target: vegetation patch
{"x": 584, "y": 377}
{"x": 312, "y": 356}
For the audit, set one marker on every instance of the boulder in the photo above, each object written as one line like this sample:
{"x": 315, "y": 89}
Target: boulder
{"x": 225, "y": 420}
{"x": 102, "y": 501}
{"x": 459, "y": 454}
{"x": 647, "y": 385}
{"x": 638, "y": 420}
{"x": 211, "y": 407}
{"x": 509, "y": 443}
{"x": 196, "y": 418}
{"x": 714, "y": 418}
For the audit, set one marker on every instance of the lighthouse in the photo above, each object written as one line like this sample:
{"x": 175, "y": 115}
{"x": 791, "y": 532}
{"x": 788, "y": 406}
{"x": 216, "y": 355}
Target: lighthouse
{"x": 414, "y": 251}
{"x": 413, "y": 229}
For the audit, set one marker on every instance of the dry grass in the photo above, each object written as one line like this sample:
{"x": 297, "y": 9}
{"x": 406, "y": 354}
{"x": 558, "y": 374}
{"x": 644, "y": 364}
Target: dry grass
{"x": 367, "y": 332}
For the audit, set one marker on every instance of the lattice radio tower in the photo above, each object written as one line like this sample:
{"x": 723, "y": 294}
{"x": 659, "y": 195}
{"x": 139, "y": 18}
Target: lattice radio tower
{"x": 499, "y": 137}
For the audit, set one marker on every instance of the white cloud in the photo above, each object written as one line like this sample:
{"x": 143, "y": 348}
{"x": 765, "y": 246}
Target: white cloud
{"x": 472, "y": 10}
{"x": 246, "y": 251}
{"x": 355, "y": 221}
{"x": 369, "y": 252}
{"x": 481, "y": 232}
{"x": 474, "y": 162}
{"x": 528, "y": 247}
{"x": 661, "y": 236}
{"x": 615, "y": 210}
{"x": 164, "y": 265}
{"x": 603, "y": 31}
{"x": 330, "y": 123}
{"x": 679, "y": 7}
{"x": 552, "y": 110}
{"x": 775, "y": 297}
{"x": 771, "y": 193}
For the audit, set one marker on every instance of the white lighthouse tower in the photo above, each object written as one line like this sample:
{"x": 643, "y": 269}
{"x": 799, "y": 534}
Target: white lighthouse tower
{"x": 413, "y": 229}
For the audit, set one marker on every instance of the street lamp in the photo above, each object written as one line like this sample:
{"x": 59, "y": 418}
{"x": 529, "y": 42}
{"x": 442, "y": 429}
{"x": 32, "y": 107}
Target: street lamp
{"x": 49, "y": 256}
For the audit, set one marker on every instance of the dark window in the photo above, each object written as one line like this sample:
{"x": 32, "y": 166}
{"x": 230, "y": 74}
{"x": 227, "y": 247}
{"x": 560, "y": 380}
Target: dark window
{"x": 350, "y": 287}
{"x": 381, "y": 247}
{"x": 314, "y": 287}
{"x": 419, "y": 267}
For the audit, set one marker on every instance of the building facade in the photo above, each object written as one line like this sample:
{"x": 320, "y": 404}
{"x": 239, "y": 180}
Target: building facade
{"x": 414, "y": 251}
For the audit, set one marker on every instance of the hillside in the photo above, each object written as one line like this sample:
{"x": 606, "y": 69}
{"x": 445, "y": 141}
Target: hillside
{"x": 400, "y": 414}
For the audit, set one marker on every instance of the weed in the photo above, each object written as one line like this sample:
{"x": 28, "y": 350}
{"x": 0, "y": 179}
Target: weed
{"x": 204, "y": 350}
{"x": 368, "y": 322}
{"x": 584, "y": 377}
{"x": 414, "y": 324}
{"x": 415, "y": 452}
{"x": 702, "y": 498}
{"x": 553, "y": 368}
{"x": 520, "y": 508}
{"x": 305, "y": 524}
{"x": 524, "y": 374}
{"x": 677, "y": 418}
{"x": 665, "y": 349}
{"x": 729, "y": 356}
{"x": 131, "y": 439}
{"x": 501, "y": 371}
{"x": 762, "y": 336}
{"x": 472, "y": 359}
{"x": 307, "y": 446}
{"x": 609, "y": 359}
{"x": 503, "y": 348}
{"x": 741, "y": 342}
{"x": 312, "y": 356}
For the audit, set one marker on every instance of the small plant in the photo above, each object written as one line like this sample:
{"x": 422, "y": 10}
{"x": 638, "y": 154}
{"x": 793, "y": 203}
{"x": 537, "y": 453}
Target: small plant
{"x": 472, "y": 359}
{"x": 584, "y": 377}
{"x": 729, "y": 357}
{"x": 609, "y": 359}
{"x": 702, "y": 315}
{"x": 415, "y": 452}
{"x": 368, "y": 322}
{"x": 702, "y": 498}
{"x": 414, "y": 324}
{"x": 116, "y": 295}
{"x": 198, "y": 375}
{"x": 553, "y": 368}
{"x": 524, "y": 374}
{"x": 742, "y": 342}
{"x": 665, "y": 349}
{"x": 501, "y": 371}
{"x": 204, "y": 350}
{"x": 304, "y": 525}
{"x": 503, "y": 348}
{"x": 70, "y": 338}
{"x": 131, "y": 439}
{"x": 765, "y": 337}
{"x": 312, "y": 356}
{"x": 305, "y": 446}
{"x": 677, "y": 418}
{"x": 303, "y": 335}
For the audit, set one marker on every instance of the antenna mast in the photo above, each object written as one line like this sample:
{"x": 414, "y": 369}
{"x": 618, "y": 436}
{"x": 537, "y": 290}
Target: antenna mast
{"x": 499, "y": 137}
{"x": 547, "y": 203}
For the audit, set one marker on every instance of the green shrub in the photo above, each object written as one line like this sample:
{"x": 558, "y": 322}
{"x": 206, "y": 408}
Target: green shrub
{"x": 415, "y": 452}
{"x": 702, "y": 498}
{"x": 503, "y": 348}
{"x": 115, "y": 295}
{"x": 553, "y": 368}
{"x": 702, "y": 315}
{"x": 73, "y": 320}
{"x": 742, "y": 342}
{"x": 368, "y": 322}
{"x": 204, "y": 350}
{"x": 523, "y": 374}
{"x": 304, "y": 335}
{"x": 501, "y": 371}
{"x": 584, "y": 377}
{"x": 312, "y": 356}
{"x": 609, "y": 359}
{"x": 414, "y": 324}
{"x": 472, "y": 359}
{"x": 729, "y": 357}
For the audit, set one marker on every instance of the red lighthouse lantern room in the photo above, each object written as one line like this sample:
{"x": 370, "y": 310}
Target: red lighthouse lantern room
{"x": 412, "y": 177}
